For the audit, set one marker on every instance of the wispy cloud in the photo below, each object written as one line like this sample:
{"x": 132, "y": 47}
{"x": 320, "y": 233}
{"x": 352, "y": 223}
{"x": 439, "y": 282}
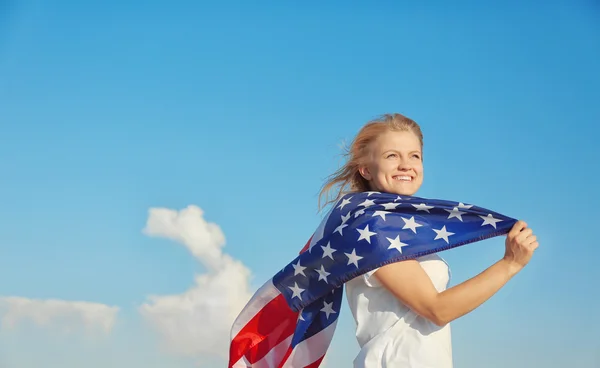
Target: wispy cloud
{"x": 62, "y": 315}
{"x": 197, "y": 323}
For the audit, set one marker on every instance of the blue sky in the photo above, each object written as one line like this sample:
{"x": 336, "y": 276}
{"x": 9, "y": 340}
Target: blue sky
{"x": 109, "y": 109}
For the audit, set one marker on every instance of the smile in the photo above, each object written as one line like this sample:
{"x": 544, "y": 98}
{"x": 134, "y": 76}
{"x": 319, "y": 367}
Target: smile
{"x": 402, "y": 178}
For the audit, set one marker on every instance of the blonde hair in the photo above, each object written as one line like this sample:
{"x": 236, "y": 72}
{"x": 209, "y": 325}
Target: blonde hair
{"x": 347, "y": 178}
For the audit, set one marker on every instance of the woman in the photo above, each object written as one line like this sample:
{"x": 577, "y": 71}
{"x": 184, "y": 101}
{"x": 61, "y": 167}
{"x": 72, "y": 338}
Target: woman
{"x": 403, "y": 310}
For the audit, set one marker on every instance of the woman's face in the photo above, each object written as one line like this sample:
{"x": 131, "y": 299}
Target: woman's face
{"x": 395, "y": 163}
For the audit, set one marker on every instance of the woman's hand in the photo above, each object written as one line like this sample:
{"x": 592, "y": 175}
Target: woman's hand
{"x": 520, "y": 244}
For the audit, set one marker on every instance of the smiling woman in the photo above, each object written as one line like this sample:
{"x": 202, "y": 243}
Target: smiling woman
{"x": 394, "y": 163}
{"x": 380, "y": 243}
{"x": 386, "y": 154}
{"x": 403, "y": 309}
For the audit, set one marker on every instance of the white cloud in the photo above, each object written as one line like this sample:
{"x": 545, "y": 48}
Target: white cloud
{"x": 197, "y": 323}
{"x": 62, "y": 315}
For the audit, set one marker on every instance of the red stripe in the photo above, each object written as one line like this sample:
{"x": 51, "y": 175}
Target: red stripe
{"x": 270, "y": 325}
{"x": 306, "y": 246}
{"x": 283, "y": 330}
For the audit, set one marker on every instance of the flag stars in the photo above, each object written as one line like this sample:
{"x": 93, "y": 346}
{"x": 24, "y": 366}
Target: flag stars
{"x": 323, "y": 274}
{"x": 396, "y": 244}
{"x": 353, "y": 258}
{"x": 345, "y": 202}
{"x": 296, "y": 291}
{"x": 328, "y": 251}
{"x": 411, "y": 224}
{"x": 455, "y": 213}
{"x": 299, "y": 269}
{"x": 359, "y": 212}
{"x": 390, "y": 206}
{"x": 328, "y": 309}
{"x": 489, "y": 220}
{"x": 381, "y": 214}
{"x": 464, "y": 206}
{"x": 422, "y": 207}
{"x": 367, "y": 203}
{"x": 365, "y": 234}
{"x": 443, "y": 234}
{"x": 369, "y": 193}
{"x": 345, "y": 218}
{"x": 340, "y": 228}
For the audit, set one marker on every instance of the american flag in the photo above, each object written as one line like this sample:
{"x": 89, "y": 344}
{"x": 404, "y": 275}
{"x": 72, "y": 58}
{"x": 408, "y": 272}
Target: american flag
{"x": 290, "y": 320}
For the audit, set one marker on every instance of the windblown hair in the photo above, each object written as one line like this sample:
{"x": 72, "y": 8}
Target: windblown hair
{"x": 347, "y": 179}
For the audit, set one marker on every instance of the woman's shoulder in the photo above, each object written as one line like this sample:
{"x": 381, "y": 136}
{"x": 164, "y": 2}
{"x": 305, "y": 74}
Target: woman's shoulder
{"x": 433, "y": 264}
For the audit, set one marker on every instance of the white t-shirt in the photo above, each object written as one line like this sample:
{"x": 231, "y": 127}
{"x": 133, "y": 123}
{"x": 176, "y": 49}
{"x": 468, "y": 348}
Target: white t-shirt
{"x": 392, "y": 335}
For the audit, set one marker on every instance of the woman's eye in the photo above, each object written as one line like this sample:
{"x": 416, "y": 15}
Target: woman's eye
{"x": 391, "y": 155}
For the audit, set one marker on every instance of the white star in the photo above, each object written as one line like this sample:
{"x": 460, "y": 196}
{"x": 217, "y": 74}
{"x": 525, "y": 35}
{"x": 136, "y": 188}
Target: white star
{"x": 489, "y": 220}
{"x": 340, "y": 228}
{"x": 298, "y": 269}
{"x": 398, "y": 199}
{"x": 323, "y": 274}
{"x": 390, "y": 206}
{"x": 381, "y": 213}
{"x": 367, "y": 203}
{"x": 365, "y": 234}
{"x": 396, "y": 244}
{"x": 353, "y": 258}
{"x": 372, "y": 193}
{"x": 465, "y": 206}
{"x": 422, "y": 207}
{"x": 296, "y": 291}
{"x": 443, "y": 234}
{"x": 328, "y": 251}
{"x": 358, "y": 213}
{"x": 345, "y": 218}
{"x": 345, "y": 201}
{"x": 455, "y": 213}
{"x": 301, "y": 317}
{"x": 328, "y": 309}
{"x": 411, "y": 224}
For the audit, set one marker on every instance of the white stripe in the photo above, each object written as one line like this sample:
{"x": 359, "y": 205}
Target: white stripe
{"x": 262, "y": 297}
{"x": 311, "y": 349}
{"x": 242, "y": 363}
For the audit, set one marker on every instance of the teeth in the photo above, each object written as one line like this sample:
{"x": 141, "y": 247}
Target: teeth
{"x": 402, "y": 178}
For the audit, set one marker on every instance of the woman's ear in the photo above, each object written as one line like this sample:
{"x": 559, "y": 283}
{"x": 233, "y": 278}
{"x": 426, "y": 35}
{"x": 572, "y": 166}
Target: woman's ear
{"x": 364, "y": 172}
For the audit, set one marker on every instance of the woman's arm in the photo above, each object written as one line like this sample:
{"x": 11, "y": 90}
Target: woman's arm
{"x": 410, "y": 284}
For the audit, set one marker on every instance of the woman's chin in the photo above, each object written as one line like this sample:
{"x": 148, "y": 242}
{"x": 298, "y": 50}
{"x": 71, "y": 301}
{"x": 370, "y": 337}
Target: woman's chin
{"x": 403, "y": 190}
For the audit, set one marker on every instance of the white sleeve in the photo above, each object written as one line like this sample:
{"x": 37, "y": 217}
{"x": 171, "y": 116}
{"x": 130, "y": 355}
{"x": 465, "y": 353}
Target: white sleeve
{"x": 370, "y": 279}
